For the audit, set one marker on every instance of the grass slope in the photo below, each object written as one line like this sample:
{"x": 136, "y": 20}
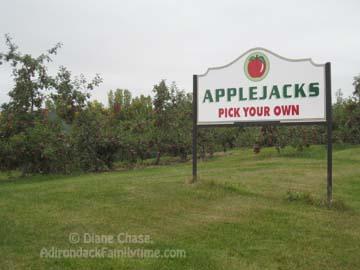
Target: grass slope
{"x": 237, "y": 217}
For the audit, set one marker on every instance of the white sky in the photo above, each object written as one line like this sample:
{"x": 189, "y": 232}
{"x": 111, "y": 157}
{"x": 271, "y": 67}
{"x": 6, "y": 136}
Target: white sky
{"x": 134, "y": 44}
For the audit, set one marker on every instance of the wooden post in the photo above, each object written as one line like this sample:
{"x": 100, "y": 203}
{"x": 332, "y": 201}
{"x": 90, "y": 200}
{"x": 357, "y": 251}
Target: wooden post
{"x": 194, "y": 131}
{"x": 329, "y": 132}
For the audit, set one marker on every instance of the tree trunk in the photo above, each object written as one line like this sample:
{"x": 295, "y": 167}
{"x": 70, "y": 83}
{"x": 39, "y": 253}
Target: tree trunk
{"x": 158, "y": 156}
{"x": 183, "y": 155}
{"x": 202, "y": 153}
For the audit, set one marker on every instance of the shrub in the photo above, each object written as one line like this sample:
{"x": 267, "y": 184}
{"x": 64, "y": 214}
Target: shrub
{"x": 42, "y": 148}
{"x": 94, "y": 142}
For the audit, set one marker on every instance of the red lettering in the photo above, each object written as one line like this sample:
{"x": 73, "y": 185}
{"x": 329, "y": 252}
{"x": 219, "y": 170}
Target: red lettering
{"x": 295, "y": 110}
{"x": 246, "y": 109}
{"x": 259, "y": 111}
{"x": 277, "y": 110}
{"x": 228, "y": 112}
{"x": 231, "y": 112}
{"x": 286, "y": 109}
{"x": 266, "y": 111}
{"x": 252, "y": 111}
{"x": 221, "y": 112}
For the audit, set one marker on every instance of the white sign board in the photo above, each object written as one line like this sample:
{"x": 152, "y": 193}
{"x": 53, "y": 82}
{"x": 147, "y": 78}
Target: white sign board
{"x": 261, "y": 86}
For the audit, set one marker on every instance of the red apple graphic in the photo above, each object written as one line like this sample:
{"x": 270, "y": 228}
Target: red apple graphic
{"x": 256, "y": 66}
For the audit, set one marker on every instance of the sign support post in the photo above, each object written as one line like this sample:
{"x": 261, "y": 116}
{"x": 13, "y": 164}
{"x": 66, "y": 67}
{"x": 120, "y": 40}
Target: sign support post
{"x": 329, "y": 131}
{"x": 194, "y": 131}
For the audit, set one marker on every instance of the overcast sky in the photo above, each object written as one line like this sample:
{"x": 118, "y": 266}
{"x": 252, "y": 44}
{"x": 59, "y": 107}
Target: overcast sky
{"x": 134, "y": 44}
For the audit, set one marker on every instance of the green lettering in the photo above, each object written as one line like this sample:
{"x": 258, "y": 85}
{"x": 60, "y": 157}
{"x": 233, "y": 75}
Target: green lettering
{"x": 264, "y": 92}
{"x": 241, "y": 97}
{"x": 219, "y": 93}
{"x": 231, "y": 92}
{"x": 208, "y": 96}
{"x": 314, "y": 89}
{"x": 299, "y": 90}
{"x": 253, "y": 92}
{"x": 285, "y": 90}
{"x": 274, "y": 92}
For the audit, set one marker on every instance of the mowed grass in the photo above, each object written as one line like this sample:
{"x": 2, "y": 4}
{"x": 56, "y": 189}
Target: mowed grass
{"x": 238, "y": 216}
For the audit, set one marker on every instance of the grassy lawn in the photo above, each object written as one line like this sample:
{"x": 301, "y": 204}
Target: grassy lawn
{"x": 238, "y": 216}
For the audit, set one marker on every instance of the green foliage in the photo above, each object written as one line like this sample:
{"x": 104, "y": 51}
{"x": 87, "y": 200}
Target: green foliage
{"x": 247, "y": 137}
{"x": 206, "y": 142}
{"x": 347, "y": 120}
{"x": 180, "y": 111}
{"x": 134, "y": 125}
{"x": 50, "y": 117}
{"x": 119, "y": 100}
{"x": 71, "y": 95}
{"x": 162, "y": 116}
{"x": 93, "y": 140}
{"x": 356, "y": 84}
{"x": 172, "y": 121}
{"x": 30, "y": 77}
{"x": 42, "y": 148}
{"x": 30, "y": 140}
{"x": 226, "y": 137}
